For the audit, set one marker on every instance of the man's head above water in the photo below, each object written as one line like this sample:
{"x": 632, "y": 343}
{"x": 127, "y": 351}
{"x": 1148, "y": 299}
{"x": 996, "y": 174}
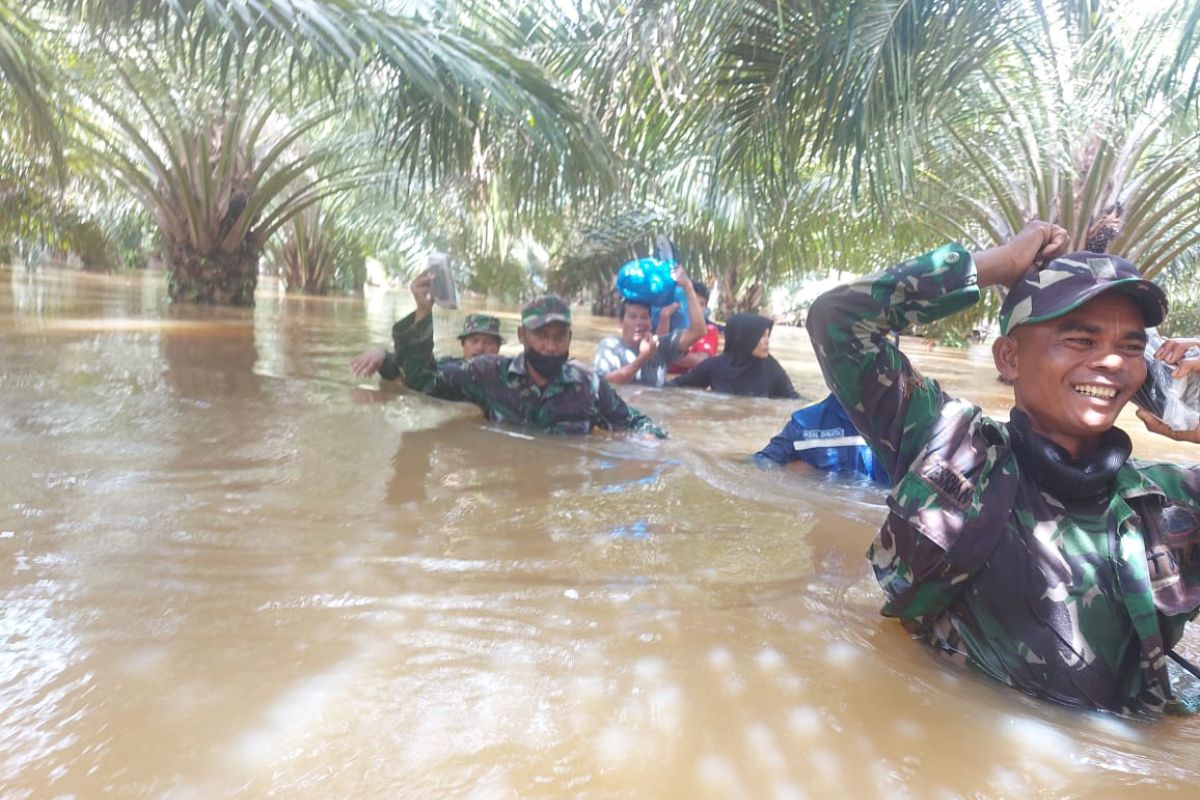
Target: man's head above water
{"x": 480, "y": 335}
{"x": 635, "y": 322}
{"x": 1073, "y": 341}
{"x": 545, "y": 332}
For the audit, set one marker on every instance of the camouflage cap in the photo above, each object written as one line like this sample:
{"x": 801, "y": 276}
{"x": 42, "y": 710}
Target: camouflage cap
{"x": 543, "y": 310}
{"x": 481, "y": 323}
{"x": 1069, "y": 281}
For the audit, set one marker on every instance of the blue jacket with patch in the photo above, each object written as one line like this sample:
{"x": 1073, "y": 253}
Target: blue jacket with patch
{"x": 824, "y": 436}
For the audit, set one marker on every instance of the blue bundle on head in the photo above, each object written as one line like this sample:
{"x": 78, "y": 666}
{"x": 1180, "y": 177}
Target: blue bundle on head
{"x": 648, "y": 281}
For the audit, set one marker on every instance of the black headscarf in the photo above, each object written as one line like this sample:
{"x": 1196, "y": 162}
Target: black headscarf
{"x": 737, "y": 370}
{"x": 742, "y": 333}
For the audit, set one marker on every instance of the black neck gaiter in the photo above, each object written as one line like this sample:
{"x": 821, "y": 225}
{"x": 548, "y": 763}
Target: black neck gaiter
{"x": 1052, "y": 468}
{"x": 547, "y": 366}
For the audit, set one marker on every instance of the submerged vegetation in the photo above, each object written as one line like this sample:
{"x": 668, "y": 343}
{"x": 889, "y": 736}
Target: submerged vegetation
{"x": 545, "y": 144}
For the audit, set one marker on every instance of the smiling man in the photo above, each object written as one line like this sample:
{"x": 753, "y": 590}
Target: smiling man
{"x": 638, "y": 355}
{"x": 1035, "y": 550}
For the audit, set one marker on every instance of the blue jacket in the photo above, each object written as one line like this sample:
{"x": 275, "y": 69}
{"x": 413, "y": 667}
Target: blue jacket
{"x": 823, "y": 435}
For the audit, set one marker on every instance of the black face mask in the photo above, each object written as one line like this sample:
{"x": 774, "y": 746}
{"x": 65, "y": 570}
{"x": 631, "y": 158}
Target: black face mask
{"x": 547, "y": 366}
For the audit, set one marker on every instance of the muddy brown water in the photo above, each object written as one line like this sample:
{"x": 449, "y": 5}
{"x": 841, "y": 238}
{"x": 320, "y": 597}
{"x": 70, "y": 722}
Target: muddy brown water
{"x": 230, "y": 569}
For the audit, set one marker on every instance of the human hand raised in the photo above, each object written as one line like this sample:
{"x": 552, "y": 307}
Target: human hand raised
{"x": 1034, "y": 245}
{"x": 648, "y": 347}
{"x": 422, "y": 292}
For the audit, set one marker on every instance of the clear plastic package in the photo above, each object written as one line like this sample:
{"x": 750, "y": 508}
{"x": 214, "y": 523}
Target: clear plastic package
{"x": 444, "y": 292}
{"x": 1176, "y": 401}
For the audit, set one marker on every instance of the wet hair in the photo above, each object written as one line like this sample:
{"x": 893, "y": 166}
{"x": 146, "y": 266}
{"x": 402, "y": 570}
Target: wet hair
{"x": 626, "y": 303}
{"x": 701, "y": 288}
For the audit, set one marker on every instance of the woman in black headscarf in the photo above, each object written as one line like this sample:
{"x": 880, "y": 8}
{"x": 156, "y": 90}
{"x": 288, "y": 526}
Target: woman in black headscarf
{"x": 746, "y": 367}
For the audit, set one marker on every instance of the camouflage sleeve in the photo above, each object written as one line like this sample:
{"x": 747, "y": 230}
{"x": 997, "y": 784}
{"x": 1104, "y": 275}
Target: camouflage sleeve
{"x": 613, "y": 413}
{"x": 891, "y": 404}
{"x": 389, "y": 370}
{"x": 450, "y": 379}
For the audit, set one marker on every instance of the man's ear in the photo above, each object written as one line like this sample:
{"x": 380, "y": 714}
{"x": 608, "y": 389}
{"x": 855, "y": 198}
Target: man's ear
{"x": 521, "y": 334}
{"x": 1004, "y": 354}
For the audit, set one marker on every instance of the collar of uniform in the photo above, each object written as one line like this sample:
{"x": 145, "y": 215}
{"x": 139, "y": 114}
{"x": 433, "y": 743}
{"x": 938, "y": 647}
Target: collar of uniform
{"x": 1131, "y": 483}
{"x": 516, "y": 368}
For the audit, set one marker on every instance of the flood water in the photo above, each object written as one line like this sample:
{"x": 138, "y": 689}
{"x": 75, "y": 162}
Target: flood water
{"x": 231, "y": 569}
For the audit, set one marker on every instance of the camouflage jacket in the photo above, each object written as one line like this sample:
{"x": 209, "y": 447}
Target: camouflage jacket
{"x": 574, "y": 402}
{"x": 390, "y": 369}
{"x": 1075, "y": 604}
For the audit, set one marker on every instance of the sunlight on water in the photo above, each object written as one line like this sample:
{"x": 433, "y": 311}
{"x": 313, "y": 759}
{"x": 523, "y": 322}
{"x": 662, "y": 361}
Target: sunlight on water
{"x": 235, "y": 570}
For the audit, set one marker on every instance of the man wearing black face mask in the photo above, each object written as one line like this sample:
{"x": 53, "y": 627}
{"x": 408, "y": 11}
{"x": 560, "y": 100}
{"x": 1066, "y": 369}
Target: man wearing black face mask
{"x": 538, "y": 389}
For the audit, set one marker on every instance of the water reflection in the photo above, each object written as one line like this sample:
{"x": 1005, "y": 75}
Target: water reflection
{"x": 235, "y": 572}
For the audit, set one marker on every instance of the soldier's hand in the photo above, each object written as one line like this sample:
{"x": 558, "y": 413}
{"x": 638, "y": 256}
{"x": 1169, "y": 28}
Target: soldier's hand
{"x": 368, "y": 362}
{"x": 422, "y": 292}
{"x": 648, "y": 347}
{"x": 1036, "y": 244}
{"x": 1156, "y": 425}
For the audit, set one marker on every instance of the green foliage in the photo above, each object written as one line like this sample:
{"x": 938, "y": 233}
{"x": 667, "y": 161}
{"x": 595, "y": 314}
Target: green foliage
{"x": 772, "y": 140}
{"x": 316, "y": 254}
{"x": 134, "y": 237}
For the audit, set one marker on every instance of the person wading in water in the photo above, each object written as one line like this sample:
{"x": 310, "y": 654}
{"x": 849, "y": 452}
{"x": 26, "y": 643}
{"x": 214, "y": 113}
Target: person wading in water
{"x": 1036, "y": 550}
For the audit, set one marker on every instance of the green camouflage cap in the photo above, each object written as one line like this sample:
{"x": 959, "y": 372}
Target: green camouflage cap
{"x": 1069, "y": 281}
{"x": 541, "y": 311}
{"x": 481, "y": 323}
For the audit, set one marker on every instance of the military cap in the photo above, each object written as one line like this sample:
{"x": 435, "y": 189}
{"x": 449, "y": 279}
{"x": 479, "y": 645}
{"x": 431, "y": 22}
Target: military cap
{"x": 1069, "y": 281}
{"x": 481, "y": 323}
{"x": 543, "y": 310}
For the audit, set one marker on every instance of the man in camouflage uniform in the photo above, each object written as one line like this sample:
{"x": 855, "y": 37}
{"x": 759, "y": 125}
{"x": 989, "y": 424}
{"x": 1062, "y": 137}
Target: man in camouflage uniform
{"x": 480, "y": 335}
{"x": 1034, "y": 551}
{"x": 539, "y": 388}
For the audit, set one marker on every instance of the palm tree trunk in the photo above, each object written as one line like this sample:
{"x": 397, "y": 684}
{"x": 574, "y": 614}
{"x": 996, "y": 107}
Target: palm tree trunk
{"x": 214, "y": 278}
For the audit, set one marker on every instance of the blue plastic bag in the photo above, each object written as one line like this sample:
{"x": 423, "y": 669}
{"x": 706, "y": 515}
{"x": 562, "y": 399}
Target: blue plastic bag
{"x": 648, "y": 281}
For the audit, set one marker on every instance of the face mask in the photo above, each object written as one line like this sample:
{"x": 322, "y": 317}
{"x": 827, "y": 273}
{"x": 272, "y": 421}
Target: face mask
{"x": 547, "y": 366}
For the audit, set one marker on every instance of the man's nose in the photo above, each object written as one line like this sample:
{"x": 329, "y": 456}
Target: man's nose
{"x": 1110, "y": 360}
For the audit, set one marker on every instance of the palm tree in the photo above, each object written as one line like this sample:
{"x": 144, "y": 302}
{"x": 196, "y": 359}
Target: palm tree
{"x": 26, "y": 102}
{"x": 317, "y": 250}
{"x": 433, "y": 90}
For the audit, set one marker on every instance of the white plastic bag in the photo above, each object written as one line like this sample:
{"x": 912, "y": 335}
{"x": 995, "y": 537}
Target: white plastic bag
{"x": 1176, "y": 401}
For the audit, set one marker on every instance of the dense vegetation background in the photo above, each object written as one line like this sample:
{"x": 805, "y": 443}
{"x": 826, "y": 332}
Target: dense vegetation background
{"x": 775, "y": 141}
